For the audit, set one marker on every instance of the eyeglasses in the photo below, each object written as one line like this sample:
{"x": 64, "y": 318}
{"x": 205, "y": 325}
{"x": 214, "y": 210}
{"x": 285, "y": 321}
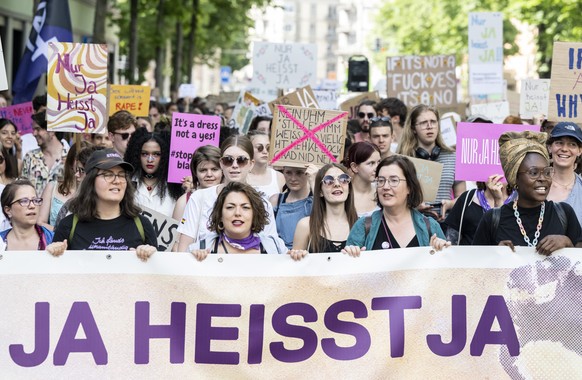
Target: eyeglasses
{"x": 152, "y": 155}
{"x": 124, "y": 136}
{"x": 261, "y": 147}
{"x": 80, "y": 170}
{"x": 343, "y": 179}
{"x": 362, "y": 115}
{"x": 228, "y": 161}
{"x": 25, "y": 202}
{"x": 534, "y": 173}
{"x": 393, "y": 181}
{"x": 1, "y": 160}
{"x": 427, "y": 123}
{"x": 112, "y": 177}
{"x": 383, "y": 118}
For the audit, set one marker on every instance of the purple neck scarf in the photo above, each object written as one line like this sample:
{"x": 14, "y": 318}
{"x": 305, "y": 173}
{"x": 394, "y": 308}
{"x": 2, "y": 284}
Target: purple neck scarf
{"x": 486, "y": 206}
{"x": 253, "y": 241}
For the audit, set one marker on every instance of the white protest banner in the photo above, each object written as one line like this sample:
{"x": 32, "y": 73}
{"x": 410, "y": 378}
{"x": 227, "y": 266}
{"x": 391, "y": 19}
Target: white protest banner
{"x": 303, "y": 97}
{"x": 429, "y": 175}
{"x": 566, "y": 83}
{"x": 265, "y": 93}
{"x": 449, "y": 131}
{"x": 263, "y": 110}
{"x": 327, "y": 99}
{"x": 3, "y": 78}
{"x": 427, "y": 79}
{"x": 466, "y": 312}
{"x": 187, "y": 90}
{"x": 284, "y": 66}
{"x": 534, "y": 98}
{"x": 485, "y": 53}
{"x": 497, "y": 112}
{"x": 164, "y": 226}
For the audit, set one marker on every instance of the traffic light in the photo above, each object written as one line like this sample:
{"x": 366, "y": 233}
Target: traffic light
{"x": 358, "y": 73}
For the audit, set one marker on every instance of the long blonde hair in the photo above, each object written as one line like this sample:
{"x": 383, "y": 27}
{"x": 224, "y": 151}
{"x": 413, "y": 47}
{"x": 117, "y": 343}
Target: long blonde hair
{"x": 409, "y": 141}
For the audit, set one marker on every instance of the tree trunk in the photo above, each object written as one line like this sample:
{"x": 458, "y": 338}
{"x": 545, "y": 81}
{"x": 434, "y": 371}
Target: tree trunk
{"x": 159, "y": 72}
{"x": 192, "y": 39}
{"x": 99, "y": 22}
{"x": 132, "y": 69}
{"x": 177, "y": 79}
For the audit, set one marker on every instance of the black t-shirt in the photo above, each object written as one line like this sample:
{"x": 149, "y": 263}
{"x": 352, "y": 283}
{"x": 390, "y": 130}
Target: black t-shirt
{"x": 471, "y": 219}
{"x": 119, "y": 234}
{"x": 509, "y": 230}
{"x": 390, "y": 239}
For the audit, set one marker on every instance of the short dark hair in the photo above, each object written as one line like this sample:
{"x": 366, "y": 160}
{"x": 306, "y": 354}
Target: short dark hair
{"x": 9, "y": 192}
{"x": 368, "y": 102}
{"x": 204, "y": 153}
{"x": 381, "y": 122}
{"x": 415, "y": 196}
{"x": 121, "y": 120}
{"x": 38, "y": 101}
{"x": 359, "y": 152}
{"x": 395, "y": 107}
{"x": 260, "y": 214}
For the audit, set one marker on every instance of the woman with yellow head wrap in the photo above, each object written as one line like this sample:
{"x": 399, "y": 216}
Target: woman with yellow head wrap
{"x": 531, "y": 220}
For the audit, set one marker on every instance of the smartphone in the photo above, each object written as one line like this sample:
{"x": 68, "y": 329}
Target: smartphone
{"x": 434, "y": 204}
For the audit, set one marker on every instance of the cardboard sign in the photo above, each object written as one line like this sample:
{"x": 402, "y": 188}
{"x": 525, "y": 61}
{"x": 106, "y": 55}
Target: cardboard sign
{"x": 20, "y": 115}
{"x": 135, "y": 99}
{"x": 534, "y": 98}
{"x": 77, "y": 88}
{"x": 327, "y": 99}
{"x": 244, "y": 112}
{"x": 3, "y": 78}
{"x": 565, "y": 102}
{"x": 165, "y": 228}
{"x": 449, "y": 131}
{"x": 429, "y": 79}
{"x": 497, "y": 112}
{"x": 187, "y": 90}
{"x": 351, "y": 105}
{"x": 478, "y": 149}
{"x": 304, "y": 97}
{"x": 284, "y": 65}
{"x": 429, "y": 175}
{"x": 307, "y": 136}
{"x": 485, "y": 53}
{"x": 189, "y": 132}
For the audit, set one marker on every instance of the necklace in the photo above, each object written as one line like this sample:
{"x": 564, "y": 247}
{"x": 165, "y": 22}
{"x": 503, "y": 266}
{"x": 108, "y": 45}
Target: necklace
{"x": 522, "y": 229}
{"x": 567, "y": 187}
{"x": 151, "y": 185}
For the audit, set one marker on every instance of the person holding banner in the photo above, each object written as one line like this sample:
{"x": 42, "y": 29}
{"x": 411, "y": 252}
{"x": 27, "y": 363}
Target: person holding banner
{"x": 264, "y": 178}
{"x": 237, "y": 222}
{"x": 361, "y": 161}
{"x": 531, "y": 219}
{"x": 398, "y": 224}
{"x": 20, "y": 205}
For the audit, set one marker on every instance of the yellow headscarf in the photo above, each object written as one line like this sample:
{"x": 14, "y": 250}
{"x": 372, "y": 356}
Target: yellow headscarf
{"x": 513, "y": 146}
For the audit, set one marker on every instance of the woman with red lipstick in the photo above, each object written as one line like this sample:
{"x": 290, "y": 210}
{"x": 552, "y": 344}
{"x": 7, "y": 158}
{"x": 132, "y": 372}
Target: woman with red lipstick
{"x": 530, "y": 220}
{"x": 262, "y": 177}
{"x": 21, "y": 206}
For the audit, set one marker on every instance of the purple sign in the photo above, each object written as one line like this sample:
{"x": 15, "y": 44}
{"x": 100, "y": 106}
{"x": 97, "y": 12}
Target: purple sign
{"x": 478, "y": 149}
{"x": 20, "y": 115}
{"x": 189, "y": 132}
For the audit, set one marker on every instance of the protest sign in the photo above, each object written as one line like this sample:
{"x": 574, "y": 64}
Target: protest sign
{"x": 478, "y": 149}
{"x": 534, "y": 98}
{"x": 189, "y": 132}
{"x": 448, "y": 131}
{"x": 3, "y": 78}
{"x": 263, "y": 110}
{"x": 429, "y": 175}
{"x": 132, "y": 98}
{"x": 485, "y": 53}
{"x": 307, "y": 136}
{"x": 466, "y": 312}
{"x": 327, "y": 99}
{"x": 351, "y": 105}
{"x": 497, "y": 112}
{"x": 303, "y": 97}
{"x": 244, "y": 112}
{"x": 284, "y": 65}
{"x": 428, "y": 79}
{"x": 265, "y": 93}
{"x": 566, "y": 83}
{"x": 20, "y": 115}
{"x": 228, "y": 97}
{"x": 164, "y": 227}
{"x": 187, "y": 90}
{"x": 77, "y": 88}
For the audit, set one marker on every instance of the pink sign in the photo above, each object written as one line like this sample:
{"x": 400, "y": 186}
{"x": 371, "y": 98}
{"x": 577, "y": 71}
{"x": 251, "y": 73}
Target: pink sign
{"x": 189, "y": 132}
{"x": 478, "y": 149}
{"x": 20, "y": 115}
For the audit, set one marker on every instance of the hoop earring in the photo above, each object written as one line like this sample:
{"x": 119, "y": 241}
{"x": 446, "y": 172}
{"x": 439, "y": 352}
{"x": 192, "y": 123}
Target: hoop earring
{"x": 220, "y": 226}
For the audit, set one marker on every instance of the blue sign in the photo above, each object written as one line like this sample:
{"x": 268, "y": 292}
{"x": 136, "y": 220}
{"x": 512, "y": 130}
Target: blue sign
{"x": 225, "y": 72}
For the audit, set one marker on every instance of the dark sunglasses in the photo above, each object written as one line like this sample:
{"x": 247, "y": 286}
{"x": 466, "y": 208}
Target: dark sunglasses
{"x": 124, "y": 136}
{"x": 261, "y": 147}
{"x": 343, "y": 179}
{"x": 362, "y": 115}
{"x": 228, "y": 161}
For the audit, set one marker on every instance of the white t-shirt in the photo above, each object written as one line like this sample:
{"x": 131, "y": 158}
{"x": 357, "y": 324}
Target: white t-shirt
{"x": 153, "y": 200}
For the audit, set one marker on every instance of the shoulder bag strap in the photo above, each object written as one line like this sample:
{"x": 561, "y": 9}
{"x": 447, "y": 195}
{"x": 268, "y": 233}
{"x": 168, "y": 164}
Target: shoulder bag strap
{"x": 469, "y": 199}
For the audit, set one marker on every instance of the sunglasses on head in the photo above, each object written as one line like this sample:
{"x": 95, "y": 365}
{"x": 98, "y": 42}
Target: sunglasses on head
{"x": 343, "y": 179}
{"x": 362, "y": 115}
{"x": 124, "y": 136}
{"x": 261, "y": 147}
{"x": 377, "y": 119}
{"x": 228, "y": 161}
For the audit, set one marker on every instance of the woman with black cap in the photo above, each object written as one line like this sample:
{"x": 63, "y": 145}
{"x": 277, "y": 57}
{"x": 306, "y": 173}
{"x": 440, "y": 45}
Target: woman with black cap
{"x": 104, "y": 215}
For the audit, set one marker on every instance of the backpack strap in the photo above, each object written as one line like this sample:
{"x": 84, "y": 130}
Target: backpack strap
{"x": 139, "y": 226}
{"x": 276, "y": 208}
{"x": 470, "y": 199}
{"x": 561, "y": 215}
{"x": 73, "y": 227}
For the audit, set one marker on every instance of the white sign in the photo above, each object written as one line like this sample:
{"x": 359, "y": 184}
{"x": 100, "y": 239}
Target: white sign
{"x": 284, "y": 65}
{"x": 534, "y": 97}
{"x": 3, "y": 79}
{"x": 448, "y": 131}
{"x": 187, "y": 90}
{"x": 327, "y": 99}
{"x": 497, "y": 112}
{"x": 485, "y": 53}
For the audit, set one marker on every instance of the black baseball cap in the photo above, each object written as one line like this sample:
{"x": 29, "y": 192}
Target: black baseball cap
{"x": 106, "y": 159}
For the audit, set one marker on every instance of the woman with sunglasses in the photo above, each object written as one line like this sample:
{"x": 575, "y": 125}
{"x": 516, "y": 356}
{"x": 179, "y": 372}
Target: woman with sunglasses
{"x": 104, "y": 215}
{"x": 149, "y": 154}
{"x": 332, "y": 216}
{"x": 262, "y": 177}
{"x": 21, "y": 206}
{"x": 398, "y": 224}
{"x": 236, "y": 162}
{"x": 361, "y": 160}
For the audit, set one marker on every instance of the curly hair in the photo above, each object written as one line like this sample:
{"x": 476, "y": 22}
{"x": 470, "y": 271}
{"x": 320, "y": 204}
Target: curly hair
{"x": 409, "y": 140}
{"x": 133, "y": 156}
{"x": 260, "y": 214}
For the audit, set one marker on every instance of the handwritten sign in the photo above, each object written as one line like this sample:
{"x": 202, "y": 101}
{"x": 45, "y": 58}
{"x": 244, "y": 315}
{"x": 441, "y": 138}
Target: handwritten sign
{"x": 429, "y": 175}
{"x": 485, "y": 53}
{"x": 304, "y": 97}
{"x": 448, "y": 131}
{"x": 164, "y": 227}
{"x": 565, "y": 102}
{"x": 77, "y": 88}
{"x": 135, "y": 99}
{"x": 327, "y": 99}
{"x": 534, "y": 97}
{"x": 265, "y": 93}
{"x": 20, "y": 115}
{"x": 284, "y": 65}
{"x": 189, "y": 132}
{"x": 307, "y": 136}
{"x": 429, "y": 79}
{"x": 351, "y": 105}
{"x": 3, "y": 78}
{"x": 478, "y": 149}
{"x": 244, "y": 112}
{"x": 497, "y": 112}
